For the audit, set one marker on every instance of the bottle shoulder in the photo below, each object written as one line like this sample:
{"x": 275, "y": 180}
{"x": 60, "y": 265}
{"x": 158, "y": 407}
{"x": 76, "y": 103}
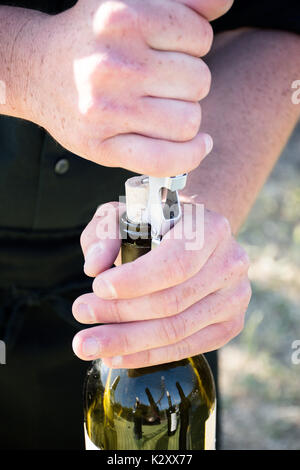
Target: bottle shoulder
{"x": 189, "y": 378}
{"x": 168, "y": 406}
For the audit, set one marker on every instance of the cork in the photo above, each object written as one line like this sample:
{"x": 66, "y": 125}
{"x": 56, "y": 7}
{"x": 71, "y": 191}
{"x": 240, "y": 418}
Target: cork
{"x": 137, "y": 193}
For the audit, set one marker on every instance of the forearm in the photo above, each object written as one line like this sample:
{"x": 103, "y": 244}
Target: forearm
{"x": 18, "y": 56}
{"x": 250, "y": 115}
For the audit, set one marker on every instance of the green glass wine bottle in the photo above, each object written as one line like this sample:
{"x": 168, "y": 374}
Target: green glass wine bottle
{"x": 163, "y": 407}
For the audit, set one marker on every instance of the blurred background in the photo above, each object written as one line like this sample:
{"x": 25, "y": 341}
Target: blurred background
{"x": 260, "y": 385}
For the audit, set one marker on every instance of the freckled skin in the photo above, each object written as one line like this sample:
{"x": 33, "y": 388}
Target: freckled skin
{"x": 140, "y": 59}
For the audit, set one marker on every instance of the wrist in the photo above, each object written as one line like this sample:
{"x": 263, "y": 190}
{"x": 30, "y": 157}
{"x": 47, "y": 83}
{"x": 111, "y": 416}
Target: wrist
{"x": 23, "y": 61}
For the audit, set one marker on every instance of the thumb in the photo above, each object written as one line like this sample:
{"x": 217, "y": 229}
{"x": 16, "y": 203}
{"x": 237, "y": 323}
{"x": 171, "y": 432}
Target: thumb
{"x": 100, "y": 240}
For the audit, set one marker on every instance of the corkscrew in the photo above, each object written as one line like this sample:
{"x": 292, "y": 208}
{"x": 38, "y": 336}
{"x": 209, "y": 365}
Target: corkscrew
{"x": 164, "y": 209}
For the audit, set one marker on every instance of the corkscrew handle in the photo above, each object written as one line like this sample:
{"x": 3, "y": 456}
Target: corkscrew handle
{"x": 164, "y": 209}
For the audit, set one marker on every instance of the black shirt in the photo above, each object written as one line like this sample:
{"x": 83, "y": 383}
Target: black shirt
{"x": 47, "y": 194}
{"x": 267, "y": 14}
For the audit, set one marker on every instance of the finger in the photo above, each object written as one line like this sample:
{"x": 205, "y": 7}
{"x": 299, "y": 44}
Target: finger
{"x": 228, "y": 265}
{"x": 176, "y": 76}
{"x": 166, "y": 266}
{"x": 210, "y": 9}
{"x": 183, "y": 119}
{"x": 153, "y": 157}
{"x": 172, "y": 26}
{"x": 101, "y": 247}
{"x": 209, "y": 339}
{"x": 129, "y": 338}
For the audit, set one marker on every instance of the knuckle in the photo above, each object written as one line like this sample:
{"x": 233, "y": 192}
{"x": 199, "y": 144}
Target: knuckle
{"x": 113, "y": 15}
{"x": 203, "y": 82}
{"x": 177, "y": 352}
{"x": 173, "y": 329}
{"x": 124, "y": 345}
{"x": 87, "y": 236}
{"x": 175, "y": 302}
{"x": 246, "y": 293}
{"x": 168, "y": 270}
{"x": 169, "y": 304}
{"x": 89, "y": 113}
{"x": 237, "y": 263}
{"x": 103, "y": 70}
{"x": 207, "y": 79}
{"x": 148, "y": 357}
{"x": 207, "y": 38}
{"x": 184, "y": 264}
{"x": 92, "y": 146}
{"x": 241, "y": 296}
{"x": 232, "y": 328}
{"x": 191, "y": 121}
{"x": 102, "y": 151}
{"x": 183, "y": 349}
{"x": 222, "y": 227}
{"x": 114, "y": 311}
{"x": 115, "y": 67}
{"x": 91, "y": 78}
{"x": 237, "y": 325}
{"x": 242, "y": 260}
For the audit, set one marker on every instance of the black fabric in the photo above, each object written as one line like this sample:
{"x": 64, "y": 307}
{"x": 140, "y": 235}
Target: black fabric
{"x": 41, "y": 382}
{"x": 46, "y": 6}
{"x": 35, "y": 261}
{"x": 33, "y": 196}
{"x": 277, "y": 14}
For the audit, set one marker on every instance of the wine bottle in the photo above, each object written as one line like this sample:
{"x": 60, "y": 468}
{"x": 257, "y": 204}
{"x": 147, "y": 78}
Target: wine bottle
{"x": 161, "y": 407}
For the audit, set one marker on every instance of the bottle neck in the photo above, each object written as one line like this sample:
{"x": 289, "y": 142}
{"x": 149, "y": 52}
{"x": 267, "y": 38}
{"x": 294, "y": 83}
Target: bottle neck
{"x": 136, "y": 239}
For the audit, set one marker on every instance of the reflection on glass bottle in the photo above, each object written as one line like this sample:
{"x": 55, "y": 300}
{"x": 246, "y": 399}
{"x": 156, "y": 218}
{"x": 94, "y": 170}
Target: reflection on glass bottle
{"x": 137, "y": 419}
{"x": 184, "y": 410}
{"x": 153, "y": 412}
{"x": 171, "y": 416}
{"x": 108, "y": 405}
{"x": 117, "y": 420}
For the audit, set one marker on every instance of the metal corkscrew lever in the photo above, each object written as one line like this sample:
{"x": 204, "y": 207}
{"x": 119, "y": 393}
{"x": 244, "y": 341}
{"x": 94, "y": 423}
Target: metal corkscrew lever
{"x": 164, "y": 208}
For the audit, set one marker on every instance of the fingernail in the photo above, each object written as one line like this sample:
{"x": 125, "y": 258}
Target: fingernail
{"x": 209, "y": 143}
{"x": 90, "y": 347}
{"x": 117, "y": 361}
{"x": 84, "y": 313}
{"x": 105, "y": 289}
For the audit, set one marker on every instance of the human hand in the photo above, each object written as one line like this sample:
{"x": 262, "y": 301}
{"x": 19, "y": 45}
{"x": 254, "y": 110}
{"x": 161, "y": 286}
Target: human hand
{"x": 169, "y": 304}
{"x": 119, "y": 82}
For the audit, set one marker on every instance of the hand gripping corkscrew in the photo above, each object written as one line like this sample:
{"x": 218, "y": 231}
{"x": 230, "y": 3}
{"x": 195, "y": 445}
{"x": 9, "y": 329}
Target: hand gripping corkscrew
{"x": 164, "y": 209}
